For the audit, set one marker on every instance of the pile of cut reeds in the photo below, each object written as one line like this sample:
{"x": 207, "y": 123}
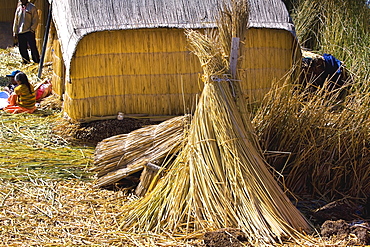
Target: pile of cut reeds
{"x": 29, "y": 145}
{"x": 119, "y": 156}
{"x": 220, "y": 178}
{"x": 327, "y": 140}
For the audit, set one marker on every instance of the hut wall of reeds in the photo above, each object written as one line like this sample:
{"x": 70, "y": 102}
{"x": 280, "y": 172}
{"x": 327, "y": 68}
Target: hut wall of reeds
{"x": 42, "y": 9}
{"x": 55, "y": 53}
{"x": 268, "y": 55}
{"x": 7, "y": 10}
{"x": 148, "y": 71}
{"x": 130, "y": 57}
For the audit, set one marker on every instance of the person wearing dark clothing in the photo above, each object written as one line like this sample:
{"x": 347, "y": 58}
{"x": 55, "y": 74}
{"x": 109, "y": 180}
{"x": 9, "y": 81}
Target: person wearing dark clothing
{"x": 12, "y": 83}
{"x": 24, "y": 27}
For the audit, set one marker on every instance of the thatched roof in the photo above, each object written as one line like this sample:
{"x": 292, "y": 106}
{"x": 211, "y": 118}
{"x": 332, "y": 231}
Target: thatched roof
{"x": 76, "y": 18}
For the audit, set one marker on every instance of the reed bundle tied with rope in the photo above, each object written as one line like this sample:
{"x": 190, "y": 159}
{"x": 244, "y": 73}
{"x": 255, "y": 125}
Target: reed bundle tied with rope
{"x": 219, "y": 179}
{"x": 119, "y": 156}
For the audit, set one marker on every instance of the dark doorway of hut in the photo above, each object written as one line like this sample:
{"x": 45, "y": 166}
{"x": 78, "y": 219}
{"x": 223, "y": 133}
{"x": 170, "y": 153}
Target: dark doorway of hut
{"x": 91, "y": 133}
{"x": 6, "y": 39}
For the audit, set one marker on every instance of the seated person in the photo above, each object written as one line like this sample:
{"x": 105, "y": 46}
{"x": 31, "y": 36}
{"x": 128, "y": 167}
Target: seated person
{"x": 23, "y": 98}
{"x": 43, "y": 90}
{"x": 8, "y": 89}
{"x": 12, "y": 84}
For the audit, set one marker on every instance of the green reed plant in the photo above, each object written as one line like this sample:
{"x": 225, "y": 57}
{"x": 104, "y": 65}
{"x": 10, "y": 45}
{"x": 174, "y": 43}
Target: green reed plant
{"x": 340, "y": 27}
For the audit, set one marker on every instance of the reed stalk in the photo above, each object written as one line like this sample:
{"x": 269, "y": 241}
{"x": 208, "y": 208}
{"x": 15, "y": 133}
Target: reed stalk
{"x": 327, "y": 140}
{"x": 340, "y": 28}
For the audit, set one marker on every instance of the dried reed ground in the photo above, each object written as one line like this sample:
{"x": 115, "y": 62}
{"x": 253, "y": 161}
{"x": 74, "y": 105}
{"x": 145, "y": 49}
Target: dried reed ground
{"x": 70, "y": 213}
{"x": 51, "y": 211}
{"x": 66, "y": 213}
{"x": 46, "y": 194}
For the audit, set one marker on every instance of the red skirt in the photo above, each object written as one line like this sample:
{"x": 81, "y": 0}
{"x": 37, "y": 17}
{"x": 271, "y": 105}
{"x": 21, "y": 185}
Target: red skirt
{"x": 14, "y": 108}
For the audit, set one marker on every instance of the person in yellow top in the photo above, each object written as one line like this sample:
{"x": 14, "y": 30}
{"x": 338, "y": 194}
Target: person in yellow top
{"x": 24, "y": 26}
{"x": 23, "y": 99}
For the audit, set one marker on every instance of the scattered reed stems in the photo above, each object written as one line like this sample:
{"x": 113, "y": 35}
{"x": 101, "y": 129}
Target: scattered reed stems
{"x": 48, "y": 212}
{"x": 29, "y": 145}
{"x": 44, "y": 212}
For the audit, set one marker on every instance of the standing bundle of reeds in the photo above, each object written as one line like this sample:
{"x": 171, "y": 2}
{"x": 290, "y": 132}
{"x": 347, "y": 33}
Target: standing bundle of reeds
{"x": 220, "y": 178}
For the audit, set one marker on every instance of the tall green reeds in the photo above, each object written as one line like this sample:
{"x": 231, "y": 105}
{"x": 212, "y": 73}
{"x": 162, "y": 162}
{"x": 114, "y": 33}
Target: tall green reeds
{"x": 338, "y": 27}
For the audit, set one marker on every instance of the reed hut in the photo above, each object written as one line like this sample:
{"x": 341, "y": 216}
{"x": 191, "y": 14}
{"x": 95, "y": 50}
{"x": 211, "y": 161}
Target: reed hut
{"x": 132, "y": 56}
{"x": 42, "y": 8}
{"x": 7, "y": 10}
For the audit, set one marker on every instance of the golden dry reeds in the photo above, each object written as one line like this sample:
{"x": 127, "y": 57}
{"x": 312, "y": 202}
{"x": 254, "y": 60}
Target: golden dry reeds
{"x": 29, "y": 146}
{"x": 119, "y": 156}
{"x": 219, "y": 179}
{"x": 43, "y": 212}
{"x": 327, "y": 139}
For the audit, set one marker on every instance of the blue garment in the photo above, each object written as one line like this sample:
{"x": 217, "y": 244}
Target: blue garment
{"x": 4, "y": 95}
{"x": 333, "y": 63}
{"x": 4, "y": 99}
{"x": 333, "y": 67}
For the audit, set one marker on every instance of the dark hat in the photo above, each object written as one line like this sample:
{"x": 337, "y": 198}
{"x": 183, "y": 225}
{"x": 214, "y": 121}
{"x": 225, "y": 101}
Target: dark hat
{"x": 13, "y": 73}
